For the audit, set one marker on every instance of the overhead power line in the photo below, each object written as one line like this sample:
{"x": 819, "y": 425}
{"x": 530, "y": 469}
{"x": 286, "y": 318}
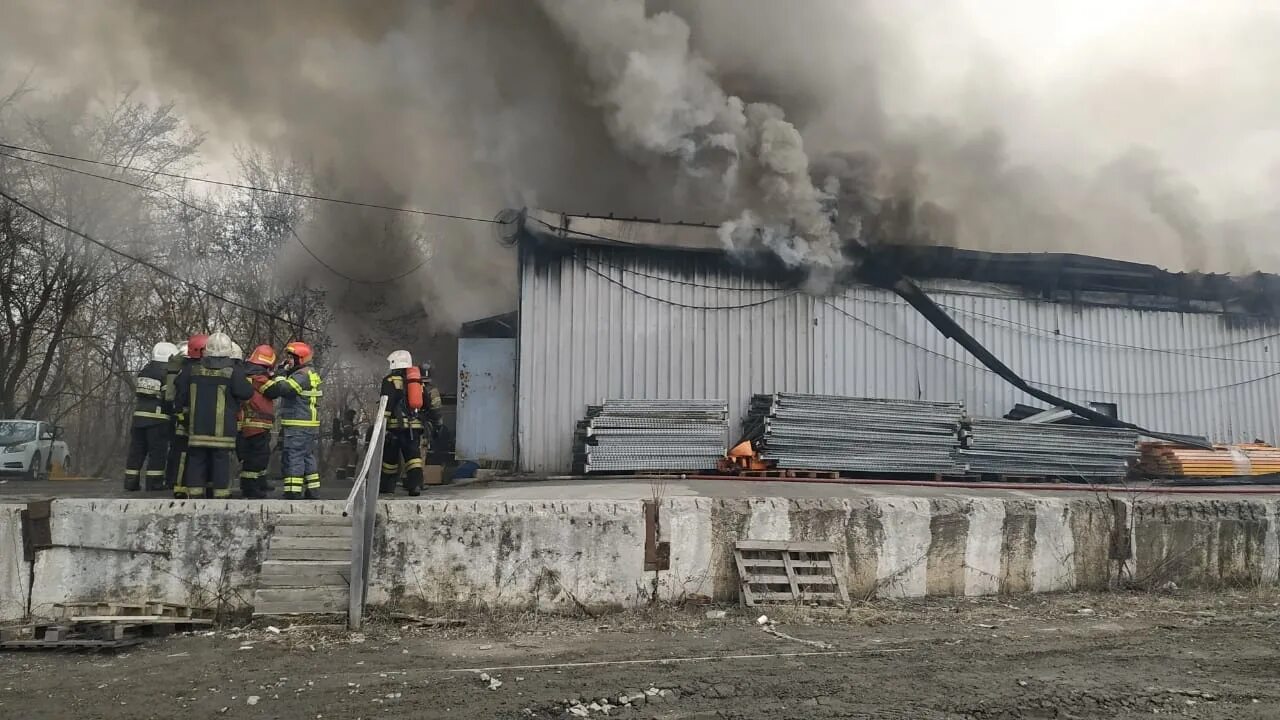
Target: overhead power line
{"x": 687, "y": 306}
{"x": 253, "y": 188}
{"x": 218, "y": 213}
{"x": 993, "y": 320}
{"x": 152, "y": 266}
{"x": 1127, "y": 393}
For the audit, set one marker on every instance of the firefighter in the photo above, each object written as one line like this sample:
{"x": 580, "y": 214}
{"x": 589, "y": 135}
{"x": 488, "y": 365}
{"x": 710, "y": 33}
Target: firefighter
{"x": 402, "y": 442}
{"x": 342, "y": 457}
{"x": 189, "y": 353}
{"x": 149, "y": 438}
{"x": 211, "y": 392}
{"x": 433, "y": 429}
{"x": 297, "y": 386}
{"x": 257, "y": 415}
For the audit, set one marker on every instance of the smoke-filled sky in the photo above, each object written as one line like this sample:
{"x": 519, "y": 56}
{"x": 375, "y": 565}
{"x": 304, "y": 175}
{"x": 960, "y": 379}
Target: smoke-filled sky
{"x": 1137, "y": 129}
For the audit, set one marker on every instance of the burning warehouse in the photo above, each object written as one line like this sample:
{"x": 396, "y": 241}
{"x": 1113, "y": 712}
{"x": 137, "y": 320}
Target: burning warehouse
{"x": 627, "y": 309}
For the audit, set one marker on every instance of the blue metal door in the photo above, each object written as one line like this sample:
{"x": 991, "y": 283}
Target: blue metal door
{"x": 486, "y": 399}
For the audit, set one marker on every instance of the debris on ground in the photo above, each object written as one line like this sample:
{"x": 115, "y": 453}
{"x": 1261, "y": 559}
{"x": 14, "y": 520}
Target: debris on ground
{"x": 428, "y": 622}
{"x": 1160, "y": 653}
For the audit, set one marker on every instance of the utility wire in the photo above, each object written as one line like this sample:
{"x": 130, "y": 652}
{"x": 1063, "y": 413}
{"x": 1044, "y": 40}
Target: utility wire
{"x": 152, "y": 266}
{"x": 944, "y": 356}
{"x": 139, "y": 186}
{"x": 674, "y": 303}
{"x": 242, "y": 186}
{"x": 1039, "y": 332}
{"x": 993, "y": 320}
{"x": 219, "y": 213}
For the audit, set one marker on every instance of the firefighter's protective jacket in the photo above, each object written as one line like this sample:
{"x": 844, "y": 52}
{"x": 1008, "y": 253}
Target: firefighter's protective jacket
{"x": 432, "y": 404}
{"x": 176, "y": 365}
{"x": 210, "y": 392}
{"x": 257, "y": 414}
{"x": 399, "y": 415}
{"x": 299, "y": 394}
{"x": 149, "y": 406}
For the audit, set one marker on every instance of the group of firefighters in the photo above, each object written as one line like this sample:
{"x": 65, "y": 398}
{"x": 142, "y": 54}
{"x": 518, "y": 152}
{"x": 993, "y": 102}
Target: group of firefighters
{"x": 201, "y": 402}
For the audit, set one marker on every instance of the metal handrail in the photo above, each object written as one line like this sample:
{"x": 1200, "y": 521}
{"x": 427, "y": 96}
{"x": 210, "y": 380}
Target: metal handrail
{"x": 362, "y": 506}
{"x": 363, "y": 476}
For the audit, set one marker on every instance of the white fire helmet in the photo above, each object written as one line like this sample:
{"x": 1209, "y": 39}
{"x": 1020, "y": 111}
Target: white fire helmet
{"x": 182, "y": 348}
{"x": 163, "y": 351}
{"x": 400, "y": 360}
{"x": 219, "y": 346}
{"x": 237, "y": 352}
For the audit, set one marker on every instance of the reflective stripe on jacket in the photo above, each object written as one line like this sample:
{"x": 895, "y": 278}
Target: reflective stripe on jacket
{"x": 211, "y": 392}
{"x": 175, "y": 366}
{"x": 398, "y": 413}
{"x": 299, "y": 393}
{"x": 149, "y": 407}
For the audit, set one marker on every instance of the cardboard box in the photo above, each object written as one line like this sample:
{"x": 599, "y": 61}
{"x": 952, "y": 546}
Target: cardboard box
{"x": 433, "y": 474}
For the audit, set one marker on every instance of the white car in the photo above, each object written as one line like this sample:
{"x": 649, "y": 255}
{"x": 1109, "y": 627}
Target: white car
{"x": 31, "y": 448}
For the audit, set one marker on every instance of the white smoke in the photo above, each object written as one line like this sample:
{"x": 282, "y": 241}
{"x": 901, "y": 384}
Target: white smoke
{"x": 662, "y": 103}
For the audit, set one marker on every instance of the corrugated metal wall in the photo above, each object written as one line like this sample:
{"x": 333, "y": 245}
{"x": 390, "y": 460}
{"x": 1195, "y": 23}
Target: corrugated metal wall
{"x": 601, "y": 324}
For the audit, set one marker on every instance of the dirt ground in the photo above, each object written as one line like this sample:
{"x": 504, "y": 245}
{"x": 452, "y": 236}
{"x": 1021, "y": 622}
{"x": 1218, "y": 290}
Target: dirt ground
{"x": 1183, "y": 654}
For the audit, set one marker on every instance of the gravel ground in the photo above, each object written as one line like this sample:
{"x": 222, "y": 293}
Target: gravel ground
{"x": 1194, "y": 655}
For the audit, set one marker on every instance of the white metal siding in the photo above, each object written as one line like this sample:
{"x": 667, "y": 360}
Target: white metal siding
{"x": 604, "y": 324}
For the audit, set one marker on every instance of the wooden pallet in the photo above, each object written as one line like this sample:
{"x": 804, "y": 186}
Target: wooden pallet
{"x": 308, "y": 567}
{"x": 772, "y": 571}
{"x": 106, "y": 631}
{"x": 148, "y": 609}
{"x": 812, "y": 474}
{"x": 68, "y": 644}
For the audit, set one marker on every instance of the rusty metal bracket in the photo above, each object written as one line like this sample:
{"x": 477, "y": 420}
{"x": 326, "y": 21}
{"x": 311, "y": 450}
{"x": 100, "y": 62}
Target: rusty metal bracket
{"x": 37, "y": 534}
{"x": 657, "y": 555}
{"x": 1121, "y": 544}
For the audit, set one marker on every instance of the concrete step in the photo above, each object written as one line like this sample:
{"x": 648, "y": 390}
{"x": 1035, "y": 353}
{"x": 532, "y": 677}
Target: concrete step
{"x": 277, "y": 553}
{"x": 303, "y": 519}
{"x": 315, "y": 543}
{"x": 288, "y": 566}
{"x": 298, "y": 601}
{"x": 306, "y": 580}
{"x": 308, "y": 566}
{"x": 276, "y": 574}
{"x": 313, "y": 531}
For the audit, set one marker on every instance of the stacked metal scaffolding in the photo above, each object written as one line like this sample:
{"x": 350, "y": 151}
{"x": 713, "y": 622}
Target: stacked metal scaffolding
{"x": 824, "y": 432}
{"x": 633, "y": 435}
{"x": 1008, "y": 447}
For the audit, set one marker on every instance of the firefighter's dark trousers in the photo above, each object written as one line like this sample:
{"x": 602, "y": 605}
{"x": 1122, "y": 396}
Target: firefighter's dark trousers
{"x": 254, "y": 452}
{"x": 208, "y": 472}
{"x": 149, "y": 448}
{"x": 176, "y": 469}
{"x": 298, "y": 461}
{"x": 402, "y": 444}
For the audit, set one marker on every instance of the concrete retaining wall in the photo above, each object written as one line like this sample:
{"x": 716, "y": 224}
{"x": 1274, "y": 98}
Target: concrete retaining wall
{"x": 510, "y": 553}
{"x": 556, "y": 553}
{"x": 15, "y": 572}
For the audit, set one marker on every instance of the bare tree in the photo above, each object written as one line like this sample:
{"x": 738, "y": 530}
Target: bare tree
{"x": 79, "y": 321}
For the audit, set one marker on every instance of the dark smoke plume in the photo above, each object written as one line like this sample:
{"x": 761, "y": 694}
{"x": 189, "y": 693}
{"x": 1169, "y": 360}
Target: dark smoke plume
{"x": 796, "y": 125}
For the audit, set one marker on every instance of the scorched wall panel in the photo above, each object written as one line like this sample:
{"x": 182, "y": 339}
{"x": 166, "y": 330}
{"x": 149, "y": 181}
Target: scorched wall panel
{"x": 602, "y": 323}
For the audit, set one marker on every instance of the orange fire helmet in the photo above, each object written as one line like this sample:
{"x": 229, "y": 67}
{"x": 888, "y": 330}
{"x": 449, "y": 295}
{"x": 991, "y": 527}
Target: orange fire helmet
{"x": 300, "y": 350}
{"x": 263, "y": 355}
